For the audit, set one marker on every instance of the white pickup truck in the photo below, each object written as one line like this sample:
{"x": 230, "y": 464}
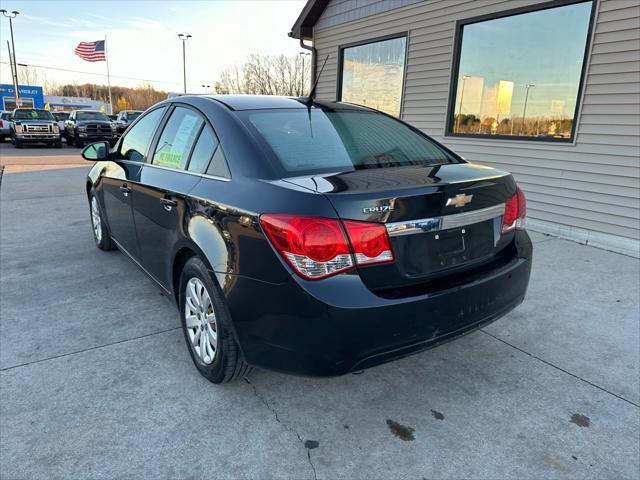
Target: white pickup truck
{"x": 32, "y": 125}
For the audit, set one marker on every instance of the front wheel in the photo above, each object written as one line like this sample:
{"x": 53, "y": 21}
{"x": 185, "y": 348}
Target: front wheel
{"x": 101, "y": 233}
{"x": 57, "y": 144}
{"x": 206, "y": 324}
{"x": 78, "y": 143}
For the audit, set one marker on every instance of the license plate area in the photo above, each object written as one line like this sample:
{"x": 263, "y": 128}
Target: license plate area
{"x": 450, "y": 242}
{"x": 429, "y": 253}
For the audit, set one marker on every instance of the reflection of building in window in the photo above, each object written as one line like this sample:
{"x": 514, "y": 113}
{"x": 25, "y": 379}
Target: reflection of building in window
{"x": 372, "y": 74}
{"x": 520, "y": 75}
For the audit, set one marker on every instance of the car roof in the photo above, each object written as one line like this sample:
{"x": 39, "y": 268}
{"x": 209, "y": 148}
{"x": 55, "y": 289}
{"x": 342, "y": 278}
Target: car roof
{"x": 267, "y": 102}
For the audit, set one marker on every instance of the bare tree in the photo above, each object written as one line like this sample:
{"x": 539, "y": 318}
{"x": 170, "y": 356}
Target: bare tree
{"x": 27, "y": 75}
{"x": 267, "y": 75}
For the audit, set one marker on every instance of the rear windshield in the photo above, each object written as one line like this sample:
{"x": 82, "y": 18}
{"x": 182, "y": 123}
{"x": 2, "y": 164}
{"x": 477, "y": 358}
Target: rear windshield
{"x": 28, "y": 114}
{"x": 133, "y": 115}
{"x": 317, "y": 141}
{"x": 61, "y": 115}
{"x": 92, "y": 116}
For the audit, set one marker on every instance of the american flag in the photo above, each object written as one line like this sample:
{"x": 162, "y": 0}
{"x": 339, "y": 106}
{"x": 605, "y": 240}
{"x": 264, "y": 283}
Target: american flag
{"x": 91, "y": 51}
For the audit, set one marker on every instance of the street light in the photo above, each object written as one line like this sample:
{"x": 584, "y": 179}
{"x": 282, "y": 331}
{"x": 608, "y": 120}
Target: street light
{"x": 184, "y": 39}
{"x": 526, "y": 97}
{"x": 302, "y": 54}
{"x": 464, "y": 80}
{"x": 11, "y": 16}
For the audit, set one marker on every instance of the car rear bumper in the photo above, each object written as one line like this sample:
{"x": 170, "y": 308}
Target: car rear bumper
{"x": 337, "y": 325}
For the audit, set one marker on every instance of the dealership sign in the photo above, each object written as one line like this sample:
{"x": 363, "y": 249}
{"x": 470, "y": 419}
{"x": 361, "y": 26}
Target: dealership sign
{"x": 30, "y": 96}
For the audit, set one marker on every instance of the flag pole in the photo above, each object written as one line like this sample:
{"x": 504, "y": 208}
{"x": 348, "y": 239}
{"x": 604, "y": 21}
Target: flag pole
{"x": 108, "y": 75}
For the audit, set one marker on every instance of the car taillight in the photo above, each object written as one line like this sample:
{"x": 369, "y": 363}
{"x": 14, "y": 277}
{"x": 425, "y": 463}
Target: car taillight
{"x": 315, "y": 247}
{"x": 370, "y": 242}
{"x": 515, "y": 211}
{"x": 319, "y": 247}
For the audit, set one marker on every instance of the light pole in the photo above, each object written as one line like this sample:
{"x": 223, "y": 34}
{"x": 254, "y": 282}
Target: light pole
{"x": 526, "y": 97}
{"x": 184, "y": 39}
{"x": 464, "y": 80}
{"x": 11, "y": 16}
{"x": 302, "y": 54}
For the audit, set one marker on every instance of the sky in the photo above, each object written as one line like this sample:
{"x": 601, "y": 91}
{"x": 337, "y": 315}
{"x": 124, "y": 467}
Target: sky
{"x": 142, "y": 40}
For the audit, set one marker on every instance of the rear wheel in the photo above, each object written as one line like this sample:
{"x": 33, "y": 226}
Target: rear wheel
{"x": 206, "y": 324}
{"x": 101, "y": 233}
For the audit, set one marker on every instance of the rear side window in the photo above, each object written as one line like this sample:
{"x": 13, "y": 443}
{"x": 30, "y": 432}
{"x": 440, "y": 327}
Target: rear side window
{"x": 203, "y": 151}
{"x": 218, "y": 166}
{"x": 135, "y": 143}
{"x": 177, "y": 138}
{"x": 315, "y": 141}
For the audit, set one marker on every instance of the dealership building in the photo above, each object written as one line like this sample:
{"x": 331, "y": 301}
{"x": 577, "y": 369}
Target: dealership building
{"x": 549, "y": 91}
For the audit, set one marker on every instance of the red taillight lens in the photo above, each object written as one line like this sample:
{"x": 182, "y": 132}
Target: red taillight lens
{"x": 319, "y": 247}
{"x": 515, "y": 211}
{"x": 370, "y": 242}
{"x": 315, "y": 247}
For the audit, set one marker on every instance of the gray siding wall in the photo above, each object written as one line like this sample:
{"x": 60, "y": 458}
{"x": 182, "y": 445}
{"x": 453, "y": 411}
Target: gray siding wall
{"x": 342, "y": 11}
{"x": 592, "y": 185}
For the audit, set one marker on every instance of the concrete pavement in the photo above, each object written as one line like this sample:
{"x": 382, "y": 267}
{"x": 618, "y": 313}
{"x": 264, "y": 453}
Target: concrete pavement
{"x": 96, "y": 381}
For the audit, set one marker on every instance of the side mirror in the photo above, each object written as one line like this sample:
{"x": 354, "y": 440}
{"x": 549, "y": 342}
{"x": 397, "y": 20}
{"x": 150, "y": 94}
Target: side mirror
{"x": 96, "y": 152}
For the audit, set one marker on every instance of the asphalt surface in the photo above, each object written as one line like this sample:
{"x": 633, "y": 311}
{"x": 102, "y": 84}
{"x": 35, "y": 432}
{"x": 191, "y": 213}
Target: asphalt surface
{"x": 96, "y": 380}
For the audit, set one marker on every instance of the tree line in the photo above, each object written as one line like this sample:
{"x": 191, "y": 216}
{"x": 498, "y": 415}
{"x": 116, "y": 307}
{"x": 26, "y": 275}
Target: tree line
{"x": 258, "y": 75}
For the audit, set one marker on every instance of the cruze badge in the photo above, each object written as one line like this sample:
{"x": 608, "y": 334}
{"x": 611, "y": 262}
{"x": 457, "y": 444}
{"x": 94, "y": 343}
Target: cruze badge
{"x": 459, "y": 200}
{"x": 378, "y": 209}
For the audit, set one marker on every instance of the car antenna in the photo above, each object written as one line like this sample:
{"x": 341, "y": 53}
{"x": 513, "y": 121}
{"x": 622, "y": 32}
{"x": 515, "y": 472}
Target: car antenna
{"x": 308, "y": 100}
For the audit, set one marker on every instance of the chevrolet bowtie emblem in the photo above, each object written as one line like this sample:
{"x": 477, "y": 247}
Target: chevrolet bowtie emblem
{"x": 459, "y": 200}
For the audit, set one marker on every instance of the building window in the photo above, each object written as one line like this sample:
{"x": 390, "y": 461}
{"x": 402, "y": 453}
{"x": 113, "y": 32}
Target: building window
{"x": 372, "y": 73}
{"x": 519, "y": 76}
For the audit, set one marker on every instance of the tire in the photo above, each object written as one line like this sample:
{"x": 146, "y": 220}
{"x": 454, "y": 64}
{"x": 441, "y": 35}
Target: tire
{"x": 57, "y": 144}
{"x": 78, "y": 143}
{"x": 227, "y": 363}
{"x": 17, "y": 143}
{"x": 101, "y": 234}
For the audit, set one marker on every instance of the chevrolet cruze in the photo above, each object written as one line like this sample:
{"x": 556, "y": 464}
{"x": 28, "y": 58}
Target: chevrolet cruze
{"x": 313, "y": 238}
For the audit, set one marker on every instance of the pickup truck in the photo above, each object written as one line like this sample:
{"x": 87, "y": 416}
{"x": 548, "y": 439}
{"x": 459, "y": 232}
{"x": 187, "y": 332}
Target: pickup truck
{"x": 126, "y": 118}
{"x": 61, "y": 117}
{"x": 88, "y": 126}
{"x": 5, "y": 125}
{"x": 33, "y": 125}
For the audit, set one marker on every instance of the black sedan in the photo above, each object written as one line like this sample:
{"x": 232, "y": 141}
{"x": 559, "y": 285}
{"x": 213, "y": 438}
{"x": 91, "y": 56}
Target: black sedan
{"x": 311, "y": 238}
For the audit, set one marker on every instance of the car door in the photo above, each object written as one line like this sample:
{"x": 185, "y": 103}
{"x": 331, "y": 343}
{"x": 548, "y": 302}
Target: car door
{"x": 160, "y": 201}
{"x": 122, "y": 175}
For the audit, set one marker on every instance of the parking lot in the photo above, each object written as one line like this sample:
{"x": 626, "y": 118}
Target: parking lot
{"x": 96, "y": 381}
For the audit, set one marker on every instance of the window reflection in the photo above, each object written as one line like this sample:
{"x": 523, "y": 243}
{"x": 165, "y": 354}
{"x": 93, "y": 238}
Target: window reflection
{"x": 372, "y": 75}
{"x": 520, "y": 75}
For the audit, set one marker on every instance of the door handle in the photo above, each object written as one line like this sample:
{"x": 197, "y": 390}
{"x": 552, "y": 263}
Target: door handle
{"x": 125, "y": 190}
{"x": 168, "y": 203}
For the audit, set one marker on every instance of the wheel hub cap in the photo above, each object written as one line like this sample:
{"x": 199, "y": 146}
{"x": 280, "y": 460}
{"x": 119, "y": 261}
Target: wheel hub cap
{"x": 200, "y": 318}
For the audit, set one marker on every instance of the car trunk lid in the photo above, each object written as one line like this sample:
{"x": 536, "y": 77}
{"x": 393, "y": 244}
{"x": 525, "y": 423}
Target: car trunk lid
{"x": 441, "y": 219}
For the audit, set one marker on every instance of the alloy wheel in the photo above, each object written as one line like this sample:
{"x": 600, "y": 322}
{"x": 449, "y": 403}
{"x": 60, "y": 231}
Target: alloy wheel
{"x": 200, "y": 321}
